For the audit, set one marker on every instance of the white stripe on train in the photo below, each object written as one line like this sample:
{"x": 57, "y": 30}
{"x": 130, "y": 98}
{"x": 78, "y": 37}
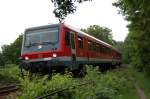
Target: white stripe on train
{"x": 66, "y": 58}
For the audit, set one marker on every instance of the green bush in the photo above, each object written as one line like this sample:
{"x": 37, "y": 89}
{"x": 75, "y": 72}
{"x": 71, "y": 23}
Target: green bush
{"x": 103, "y": 86}
{"x": 41, "y": 85}
{"x": 9, "y": 74}
{"x": 96, "y": 85}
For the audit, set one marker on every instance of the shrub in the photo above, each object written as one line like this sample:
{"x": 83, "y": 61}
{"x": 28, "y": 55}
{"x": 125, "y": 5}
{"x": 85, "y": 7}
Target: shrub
{"x": 9, "y": 74}
{"x": 41, "y": 85}
{"x": 98, "y": 85}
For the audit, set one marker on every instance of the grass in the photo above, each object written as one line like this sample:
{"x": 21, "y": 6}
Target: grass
{"x": 130, "y": 93}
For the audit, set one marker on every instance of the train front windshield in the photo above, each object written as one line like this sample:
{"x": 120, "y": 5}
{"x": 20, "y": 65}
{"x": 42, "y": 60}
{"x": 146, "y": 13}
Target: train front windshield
{"x": 42, "y": 36}
{"x": 46, "y": 37}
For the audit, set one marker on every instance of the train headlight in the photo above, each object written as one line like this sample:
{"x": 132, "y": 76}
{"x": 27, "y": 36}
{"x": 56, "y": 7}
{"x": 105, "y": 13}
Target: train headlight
{"x": 54, "y": 55}
{"x": 26, "y": 58}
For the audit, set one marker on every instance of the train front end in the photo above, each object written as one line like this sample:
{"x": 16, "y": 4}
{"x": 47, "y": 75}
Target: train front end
{"x": 40, "y": 48}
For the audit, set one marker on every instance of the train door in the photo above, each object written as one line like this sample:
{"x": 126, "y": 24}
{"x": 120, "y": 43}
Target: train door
{"x": 73, "y": 46}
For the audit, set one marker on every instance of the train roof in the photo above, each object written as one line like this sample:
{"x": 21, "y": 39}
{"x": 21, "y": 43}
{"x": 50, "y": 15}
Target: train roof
{"x": 41, "y": 27}
{"x": 89, "y": 36}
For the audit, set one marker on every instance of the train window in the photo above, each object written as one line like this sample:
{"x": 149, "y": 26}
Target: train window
{"x": 94, "y": 46}
{"x": 80, "y": 42}
{"x": 106, "y": 50}
{"x": 89, "y": 45}
{"x": 67, "y": 39}
{"x": 73, "y": 41}
{"x": 97, "y": 47}
{"x": 109, "y": 51}
{"x": 103, "y": 49}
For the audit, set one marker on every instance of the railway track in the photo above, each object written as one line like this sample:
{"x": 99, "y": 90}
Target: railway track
{"x": 7, "y": 89}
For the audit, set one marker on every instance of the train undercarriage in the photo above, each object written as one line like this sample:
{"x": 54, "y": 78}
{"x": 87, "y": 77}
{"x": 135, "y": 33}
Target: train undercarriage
{"x": 78, "y": 69}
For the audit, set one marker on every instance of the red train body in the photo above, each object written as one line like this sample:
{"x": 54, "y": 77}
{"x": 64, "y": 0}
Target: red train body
{"x": 61, "y": 46}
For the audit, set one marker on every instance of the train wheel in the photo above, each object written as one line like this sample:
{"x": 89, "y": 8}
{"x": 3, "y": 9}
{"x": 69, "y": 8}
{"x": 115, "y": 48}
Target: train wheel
{"x": 21, "y": 72}
{"x": 103, "y": 68}
{"x": 80, "y": 72}
{"x": 50, "y": 72}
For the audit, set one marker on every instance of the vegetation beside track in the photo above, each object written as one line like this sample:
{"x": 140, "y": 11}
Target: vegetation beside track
{"x": 114, "y": 84}
{"x": 109, "y": 85}
{"x": 9, "y": 74}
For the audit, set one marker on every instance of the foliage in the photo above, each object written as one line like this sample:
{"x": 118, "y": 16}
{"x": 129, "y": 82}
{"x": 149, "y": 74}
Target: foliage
{"x": 41, "y": 85}
{"x": 119, "y": 45}
{"x": 12, "y": 52}
{"x": 9, "y": 74}
{"x": 1, "y": 60}
{"x": 114, "y": 84}
{"x": 123, "y": 48}
{"x": 102, "y": 33}
{"x": 98, "y": 85}
{"x": 137, "y": 12}
{"x": 102, "y": 86}
{"x": 65, "y": 7}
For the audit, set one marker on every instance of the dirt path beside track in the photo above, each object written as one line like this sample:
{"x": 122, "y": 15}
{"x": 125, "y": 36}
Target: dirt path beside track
{"x": 140, "y": 92}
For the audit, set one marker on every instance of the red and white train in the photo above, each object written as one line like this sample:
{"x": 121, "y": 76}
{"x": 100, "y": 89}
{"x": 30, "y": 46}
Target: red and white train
{"x": 60, "y": 46}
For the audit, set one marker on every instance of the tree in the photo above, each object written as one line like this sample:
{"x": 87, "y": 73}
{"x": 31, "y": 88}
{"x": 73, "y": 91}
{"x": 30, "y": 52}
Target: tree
{"x": 1, "y": 60}
{"x": 65, "y": 7}
{"x": 102, "y": 33}
{"x": 122, "y": 47}
{"x": 137, "y": 12}
{"x": 12, "y": 52}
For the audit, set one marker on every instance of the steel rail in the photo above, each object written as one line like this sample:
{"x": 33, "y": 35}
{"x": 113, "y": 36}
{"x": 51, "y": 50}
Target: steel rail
{"x": 8, "y": 88}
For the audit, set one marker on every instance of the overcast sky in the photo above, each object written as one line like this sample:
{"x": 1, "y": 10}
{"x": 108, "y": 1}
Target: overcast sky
{"x": 16, "y": 15}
